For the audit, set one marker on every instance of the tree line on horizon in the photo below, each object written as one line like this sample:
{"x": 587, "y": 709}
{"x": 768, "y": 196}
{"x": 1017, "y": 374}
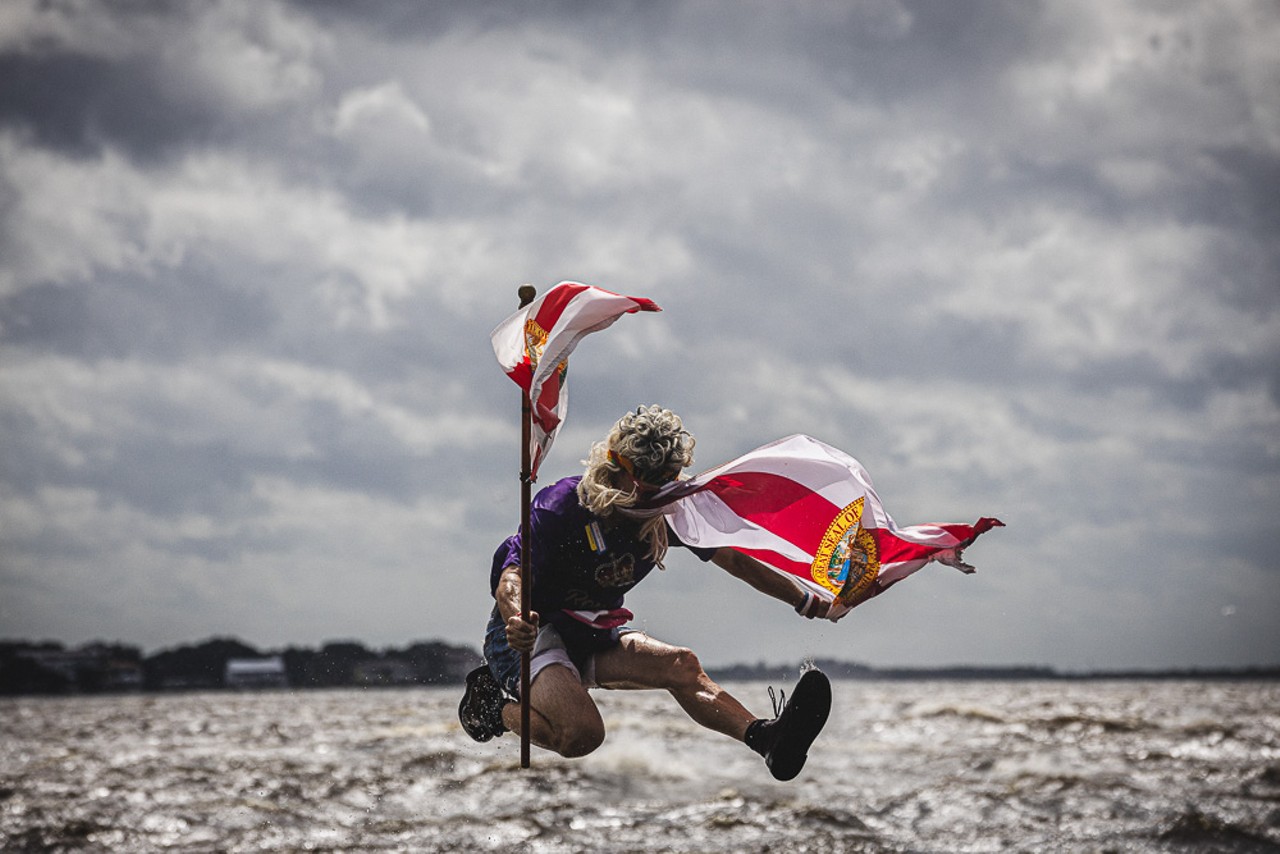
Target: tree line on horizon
{"x": 49, "y": 667}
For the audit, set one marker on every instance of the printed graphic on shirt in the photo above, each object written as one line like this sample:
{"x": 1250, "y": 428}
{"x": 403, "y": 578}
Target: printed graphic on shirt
{"x": 618, "y": 572}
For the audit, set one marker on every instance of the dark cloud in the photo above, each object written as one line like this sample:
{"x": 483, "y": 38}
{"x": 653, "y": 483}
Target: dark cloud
{"x": 405, "y": 20}
{"x": 1250, "y": 197}
{"x": 80, "y": 104}
{"x": 184, "y": 313}
{"x": 1189, "y": 389}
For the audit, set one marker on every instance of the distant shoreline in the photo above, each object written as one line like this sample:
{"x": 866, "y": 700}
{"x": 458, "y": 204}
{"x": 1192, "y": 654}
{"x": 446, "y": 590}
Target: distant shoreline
{"x": 48, "y": 667}
{"x": 977, "y": 673}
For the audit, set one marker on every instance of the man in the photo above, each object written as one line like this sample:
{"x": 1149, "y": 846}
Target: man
{"x": 586, "y": 553}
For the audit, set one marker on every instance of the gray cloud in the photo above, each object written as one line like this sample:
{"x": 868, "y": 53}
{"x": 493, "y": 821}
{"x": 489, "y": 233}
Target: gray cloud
{"x": 115, "y": 317}
{"x": 1018, "y": 258}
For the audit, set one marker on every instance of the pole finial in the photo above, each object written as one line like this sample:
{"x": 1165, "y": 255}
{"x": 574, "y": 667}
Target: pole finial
{"x": 526, "y": 294}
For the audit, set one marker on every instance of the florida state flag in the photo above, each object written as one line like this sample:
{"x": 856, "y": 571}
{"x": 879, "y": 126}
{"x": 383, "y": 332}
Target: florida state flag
{"x": 533, "y": 347}
{"x": 808, "y": 510}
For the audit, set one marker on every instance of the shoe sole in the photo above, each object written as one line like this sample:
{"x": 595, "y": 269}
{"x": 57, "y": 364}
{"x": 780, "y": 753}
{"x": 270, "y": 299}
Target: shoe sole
{"x": 806, "y": 714}
{"x": 477, "y": 729}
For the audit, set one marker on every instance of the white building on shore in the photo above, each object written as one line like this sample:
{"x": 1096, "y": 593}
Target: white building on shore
{"x": 256, "y": 673}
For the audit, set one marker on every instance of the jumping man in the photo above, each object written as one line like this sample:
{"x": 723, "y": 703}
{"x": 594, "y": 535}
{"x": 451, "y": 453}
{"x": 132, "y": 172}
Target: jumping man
{"x": 586, "y": 554}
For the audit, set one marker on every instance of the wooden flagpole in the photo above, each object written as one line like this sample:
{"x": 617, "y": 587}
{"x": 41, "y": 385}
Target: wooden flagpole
{"x": 526, "y": 294}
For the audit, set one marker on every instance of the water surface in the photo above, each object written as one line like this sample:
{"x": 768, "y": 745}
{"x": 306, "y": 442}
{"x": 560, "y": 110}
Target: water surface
{"x": 902, "y": 766}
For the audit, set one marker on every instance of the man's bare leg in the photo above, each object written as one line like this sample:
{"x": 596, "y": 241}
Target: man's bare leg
{"x": 640, "y": 661}
{"x": 563, "y": 718}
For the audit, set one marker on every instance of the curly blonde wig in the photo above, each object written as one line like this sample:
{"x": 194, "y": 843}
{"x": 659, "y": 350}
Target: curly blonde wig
{"x": 654, "y": 442}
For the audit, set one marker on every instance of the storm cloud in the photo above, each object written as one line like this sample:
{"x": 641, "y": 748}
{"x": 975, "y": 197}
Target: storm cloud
{"x": 1018, "y": 258}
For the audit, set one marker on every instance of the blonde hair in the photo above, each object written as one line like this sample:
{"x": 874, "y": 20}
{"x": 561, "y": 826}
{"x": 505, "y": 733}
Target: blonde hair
{"x": 653, "y": 440}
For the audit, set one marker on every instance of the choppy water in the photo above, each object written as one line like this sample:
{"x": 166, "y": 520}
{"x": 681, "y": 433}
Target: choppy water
{"x": 902, "y": 766}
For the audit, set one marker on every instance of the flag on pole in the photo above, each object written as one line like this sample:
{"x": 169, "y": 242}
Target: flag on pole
{"x": 809, "y": 511}
{"x": 533, "y": 347}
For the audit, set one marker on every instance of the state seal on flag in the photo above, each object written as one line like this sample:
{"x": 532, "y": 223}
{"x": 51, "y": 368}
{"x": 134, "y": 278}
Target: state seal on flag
{"x": 847, "y": 560}
{"x": 535, "y": 341}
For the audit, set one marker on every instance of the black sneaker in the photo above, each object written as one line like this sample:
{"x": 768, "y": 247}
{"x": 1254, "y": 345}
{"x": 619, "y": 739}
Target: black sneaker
{"x": 481, "y": 708}
{"x": 784, "y": 741}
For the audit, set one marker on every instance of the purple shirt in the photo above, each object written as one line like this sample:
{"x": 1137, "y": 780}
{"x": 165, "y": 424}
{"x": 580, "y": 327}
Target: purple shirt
{"x": 576, "y": 562}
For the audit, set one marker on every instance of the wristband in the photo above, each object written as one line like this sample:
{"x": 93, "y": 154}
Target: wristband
{"x": 805, "y": 603}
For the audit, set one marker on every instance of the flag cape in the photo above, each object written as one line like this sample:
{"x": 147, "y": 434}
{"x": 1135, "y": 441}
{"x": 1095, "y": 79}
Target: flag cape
{"x": 533, "y": 347}
{"x": 809, "y": 511}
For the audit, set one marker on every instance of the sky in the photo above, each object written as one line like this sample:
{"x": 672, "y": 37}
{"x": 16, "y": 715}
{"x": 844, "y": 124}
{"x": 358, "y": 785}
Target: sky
{"x": 1020, "y": 259}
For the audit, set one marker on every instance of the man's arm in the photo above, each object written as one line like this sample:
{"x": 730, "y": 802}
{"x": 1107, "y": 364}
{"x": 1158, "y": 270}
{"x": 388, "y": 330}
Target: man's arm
{"x": 768, "y": 582}
{"x": 520, "y": 634}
